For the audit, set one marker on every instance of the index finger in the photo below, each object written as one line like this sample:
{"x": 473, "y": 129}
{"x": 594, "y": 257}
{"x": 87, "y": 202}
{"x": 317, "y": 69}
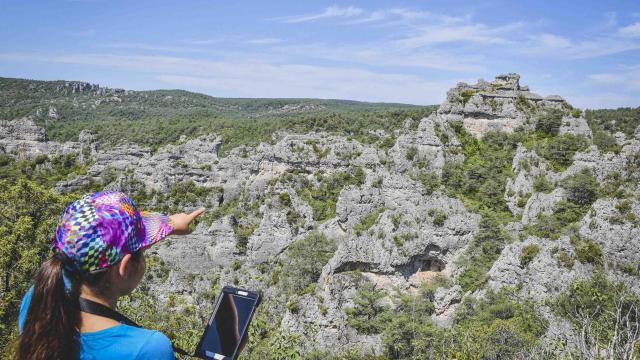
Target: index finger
{"x": 196, "y": 213}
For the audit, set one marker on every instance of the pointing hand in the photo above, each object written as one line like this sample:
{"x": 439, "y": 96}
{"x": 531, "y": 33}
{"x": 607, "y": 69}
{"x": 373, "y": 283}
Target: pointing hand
{"x": 180, "y": 222}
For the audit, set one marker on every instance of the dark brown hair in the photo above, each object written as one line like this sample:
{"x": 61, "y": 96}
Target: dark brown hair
{"x": 51, "y": 327}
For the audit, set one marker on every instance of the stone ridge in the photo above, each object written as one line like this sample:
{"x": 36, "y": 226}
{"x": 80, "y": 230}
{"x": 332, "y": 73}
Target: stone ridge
{"x": 403, "y": 248}
{"x": 500, "y": 105}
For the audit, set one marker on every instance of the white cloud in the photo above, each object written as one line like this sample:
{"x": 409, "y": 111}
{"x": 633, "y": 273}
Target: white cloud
{"x": 627, "y": 77}
{"x": 472, "y": 33}
{"x": 558, "y": 47}
{"x": 330, "y": 12}
{"x": 600, "y": 100}
{"x": 264, "y": 41}
{"x": 553, "y": 41}
{"x": 610, "y": 19}
{"x": 630, "y": 31}
{"x": 258, "y": 78}
{"x": 388, "y": 53}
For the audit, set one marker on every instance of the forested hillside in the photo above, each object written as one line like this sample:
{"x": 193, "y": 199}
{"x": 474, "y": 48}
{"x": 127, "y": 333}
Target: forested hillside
{"x": 500, "y": 225}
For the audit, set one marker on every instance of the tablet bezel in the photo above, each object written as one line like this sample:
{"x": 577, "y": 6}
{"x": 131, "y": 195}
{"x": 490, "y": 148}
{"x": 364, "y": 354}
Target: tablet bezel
{"x": 252, "y": 295}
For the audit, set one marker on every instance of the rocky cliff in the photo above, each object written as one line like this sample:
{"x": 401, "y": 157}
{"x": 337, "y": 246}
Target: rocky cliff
{"x": 386, "y": 205}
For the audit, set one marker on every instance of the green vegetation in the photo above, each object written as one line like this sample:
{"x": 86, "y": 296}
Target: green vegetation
{"x": 368, "y": 221}
{"x": 306, "y": 257}
{"x": 323, "y": 197}
{"x": 400, "y": 239}
{"x": 563, "y": 257}
{"x": 559, "y": 150}
{"x": 587, "y": 251}
{"x": 582, "y": 190}
{"x": 42, "y": 170}
{"x": 497, "y": 327}
{"x": 541, "y": 184}
{"x": 156, "y": 118}
{"x": 29, "y": 214}
{"x": 439, "y": 216}
{"x": 429, "y": 180}
{"x": 625, "y": 120}
{"x": 608, "y": 310}
{"x": 549, "y": 122}
{"x": 465, "y": 95}
{"x": 367, "y": 314}
{"x": 480, "y": 180}
{"x": 484, "y": 250}
{"x": 411, "y": 153}
{"x": 525, "y": 105}
{"x": 582, "y": 187}
{"x": 528, "y": 253}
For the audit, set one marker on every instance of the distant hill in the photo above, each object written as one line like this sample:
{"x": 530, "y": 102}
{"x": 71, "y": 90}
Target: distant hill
{"x": 159, "y": 117}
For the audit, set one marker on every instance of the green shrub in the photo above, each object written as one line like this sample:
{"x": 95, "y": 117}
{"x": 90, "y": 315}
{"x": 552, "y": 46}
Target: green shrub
{"x": 603, "y": 306}
{"x": 366, "y": 315}
{"x": 541, "y": 184}
{"x": 559, "y": 150}
{"x": 564, "y": 258}
{"x": 30, "y": 213}
{"x": 430, "y": 181}
{"x": 483, "y": 251}
{"x": 629, "y": 269}
{"x": 479, "y": 181}
{"x": 587, "y": 250}
{"x": 605, "y": 142}
{"x": 528, "y": 253}
{"x": 368, "y": 221}
{"x": 582, "y": 187}
{"x": 549, "y": 122}
{"x": 565, "y": 214}
{"x": 243, "y": 233}
{"x": 439, "y": 216}
{"x": 323, "y": 198}
{"x": 387, "y": 142}
{"x": 497, "y": 327}
{"x": 465, "y": 95}
{"x": 305, "y": 259}
{"x": 525, "y": 105}
{"x": 285, "y": 199}
{"x": 411, "y": 153}
{"x": 395, "y": 221}
{"x": 522, "y": 200}
{"x": 402, "y": 238}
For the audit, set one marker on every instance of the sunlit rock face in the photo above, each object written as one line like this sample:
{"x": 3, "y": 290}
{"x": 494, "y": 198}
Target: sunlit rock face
{"x": 390, "y": 227}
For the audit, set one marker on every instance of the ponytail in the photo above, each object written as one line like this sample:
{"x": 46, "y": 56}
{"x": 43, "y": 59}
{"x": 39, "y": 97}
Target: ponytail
{"x": 51, "y": 325}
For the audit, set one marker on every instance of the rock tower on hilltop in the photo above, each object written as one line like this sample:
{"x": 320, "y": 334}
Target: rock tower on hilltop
{"x": 502, "y": 104}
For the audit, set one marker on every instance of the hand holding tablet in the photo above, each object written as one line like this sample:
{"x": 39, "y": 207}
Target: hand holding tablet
{"x": 228, "y": 326}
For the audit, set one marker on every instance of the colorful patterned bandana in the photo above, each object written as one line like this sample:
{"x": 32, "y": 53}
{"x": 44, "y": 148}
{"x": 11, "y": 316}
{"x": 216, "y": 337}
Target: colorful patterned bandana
{"x": 98, "y": 230}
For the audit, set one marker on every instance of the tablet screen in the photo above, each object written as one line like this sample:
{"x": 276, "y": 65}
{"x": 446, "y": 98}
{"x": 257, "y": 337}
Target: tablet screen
{"x": 224, "y": 332}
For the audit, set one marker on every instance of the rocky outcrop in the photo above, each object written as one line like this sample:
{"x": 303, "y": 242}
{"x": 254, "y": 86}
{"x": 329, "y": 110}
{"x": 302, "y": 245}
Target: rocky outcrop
{"x": 23, "y": 139}
{"x": 500, "y": 105}
{"x": 389, "y": 228}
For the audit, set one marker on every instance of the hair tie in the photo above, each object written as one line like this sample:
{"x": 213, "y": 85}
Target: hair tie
{"x": 67, "y": 263}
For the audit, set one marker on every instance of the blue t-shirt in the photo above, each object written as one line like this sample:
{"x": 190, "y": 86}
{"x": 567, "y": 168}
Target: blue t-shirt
{"x": 116, "y": 342}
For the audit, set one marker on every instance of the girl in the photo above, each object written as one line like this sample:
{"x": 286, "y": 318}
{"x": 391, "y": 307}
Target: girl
{"x": 97, "y": 257}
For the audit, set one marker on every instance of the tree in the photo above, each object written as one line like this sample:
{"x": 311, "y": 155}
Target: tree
{"x": 28, "y": 217}
{"x": 306, "y": 258}
{"x": 582, "y": 187}
{"x": 365, "y": 315}
{"x": 549, "y": 122}
{"x": 606, "y": 315}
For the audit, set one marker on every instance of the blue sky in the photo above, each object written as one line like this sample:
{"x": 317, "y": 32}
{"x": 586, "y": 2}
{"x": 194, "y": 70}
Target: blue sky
{"x": 394, "y": 51}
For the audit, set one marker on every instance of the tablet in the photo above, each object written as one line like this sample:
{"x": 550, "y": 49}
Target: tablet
{"x": 228, "y": 325}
